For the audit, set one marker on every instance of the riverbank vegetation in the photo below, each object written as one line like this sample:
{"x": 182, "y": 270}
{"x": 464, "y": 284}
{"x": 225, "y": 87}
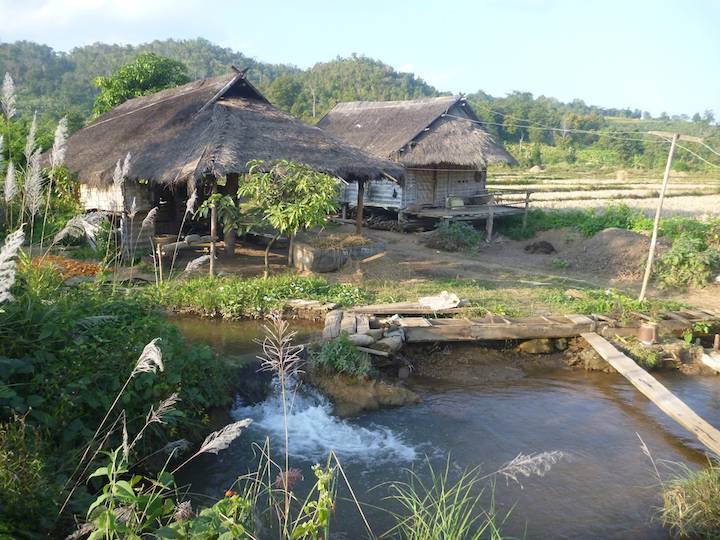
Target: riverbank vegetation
{"x": 691, "y": 503}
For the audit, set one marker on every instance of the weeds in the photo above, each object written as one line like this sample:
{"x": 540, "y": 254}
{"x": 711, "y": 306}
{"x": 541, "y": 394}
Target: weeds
{"x": 455, "y": 237}
{"x": 341, "y": 356}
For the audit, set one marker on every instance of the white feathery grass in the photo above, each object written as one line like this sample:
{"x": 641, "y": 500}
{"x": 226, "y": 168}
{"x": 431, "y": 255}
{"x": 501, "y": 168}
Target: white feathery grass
{"x": 149, "y": 220}
{"x": 279, "y": 354}
{"x": 8, "y": 267}
{"x": 118, "y": 177}
{"x": 157, "y": 415}
{"x": 30, "y": 145}
{"x": 33, "y": 185}
{"x": 57, "y": 154}
{"x": 527, "y": 465}
{"x": 176, "y": 447}
{"x": 82, "y": 226}
{"x": 2, "y": 156}
{"x": 126, "y": 165}
{"x": 197, "y": 263}
{"x": 221, "y": 439}
{"x": 133, "y": 209}
{"x": 7, "y": 97}
{"x": 190, "y": 204}
{"x": 183, "y": 511}
{"x": 125, "y": 440}
{"x": 10, "y": 187}
{"x": 150, "y": 360}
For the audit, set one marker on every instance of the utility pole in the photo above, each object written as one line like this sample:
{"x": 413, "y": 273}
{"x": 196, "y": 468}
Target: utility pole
{"x": 674, "y": 138}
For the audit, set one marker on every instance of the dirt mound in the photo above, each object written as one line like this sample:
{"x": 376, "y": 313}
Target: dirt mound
{"x": 613, "y": 252}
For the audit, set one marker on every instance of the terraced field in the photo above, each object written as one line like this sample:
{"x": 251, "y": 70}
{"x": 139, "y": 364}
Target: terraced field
{"x": 686, "y": 195}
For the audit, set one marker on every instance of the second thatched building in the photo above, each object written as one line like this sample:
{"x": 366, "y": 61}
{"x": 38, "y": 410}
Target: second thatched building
{"x": 438, "y": 140}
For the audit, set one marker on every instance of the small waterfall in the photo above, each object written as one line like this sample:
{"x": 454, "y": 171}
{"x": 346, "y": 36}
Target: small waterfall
{"x": 314, "y": 431}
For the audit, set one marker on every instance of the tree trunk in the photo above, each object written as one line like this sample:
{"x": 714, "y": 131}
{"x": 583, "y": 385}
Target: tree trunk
{"x": 230, "y": 237}
{"x": 267, "y": 255}
{"x": 359, "y": 207}
{"x": 291, "y": 246}
{"x": 229, "y": 240}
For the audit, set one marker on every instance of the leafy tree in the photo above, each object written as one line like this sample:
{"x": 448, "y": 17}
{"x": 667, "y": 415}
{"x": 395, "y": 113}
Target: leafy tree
{"x": 289, "y": 196}
{"x": 283, "y": 92}
{"x": 708, "y": 116}
{"x": 697, "y": 118}
{"x": 148, "y": 74}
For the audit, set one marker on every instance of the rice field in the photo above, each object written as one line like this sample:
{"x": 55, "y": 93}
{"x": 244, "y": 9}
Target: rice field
{"x": 687, "y": 195}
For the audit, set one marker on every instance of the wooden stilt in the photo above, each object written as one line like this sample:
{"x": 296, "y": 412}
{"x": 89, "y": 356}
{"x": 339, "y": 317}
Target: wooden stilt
{"x": 359, "y": 207}
{"x": 527, "y": 209}
{"x": 489, "y": 222}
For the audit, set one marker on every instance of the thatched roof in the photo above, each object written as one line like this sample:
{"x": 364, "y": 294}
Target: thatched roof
{"x": 205, "y": 128}
{"x": 421, "y": 132}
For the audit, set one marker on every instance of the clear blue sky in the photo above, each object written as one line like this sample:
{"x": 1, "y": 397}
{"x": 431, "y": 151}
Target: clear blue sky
{"x": 661, "y": 55}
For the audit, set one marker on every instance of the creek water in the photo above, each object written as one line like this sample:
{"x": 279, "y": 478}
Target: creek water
{"x": 603, "y": 487}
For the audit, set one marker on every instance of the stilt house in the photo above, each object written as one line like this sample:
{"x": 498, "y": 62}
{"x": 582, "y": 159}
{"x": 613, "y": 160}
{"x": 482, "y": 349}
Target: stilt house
{"x": 438, "y": 140}
{"x": 184, "y": 138}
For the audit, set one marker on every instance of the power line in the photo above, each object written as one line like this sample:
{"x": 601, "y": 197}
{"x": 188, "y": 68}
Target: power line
{"x": 610, "y": 135}
{"x": 711, "y": 149}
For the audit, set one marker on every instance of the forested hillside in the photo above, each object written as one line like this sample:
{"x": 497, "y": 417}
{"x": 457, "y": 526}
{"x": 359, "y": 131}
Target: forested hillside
{"x": 56, "y": 84}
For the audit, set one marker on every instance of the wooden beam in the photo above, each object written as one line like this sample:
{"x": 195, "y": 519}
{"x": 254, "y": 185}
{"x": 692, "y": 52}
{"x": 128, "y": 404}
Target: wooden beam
{"x": 665, "y": 400}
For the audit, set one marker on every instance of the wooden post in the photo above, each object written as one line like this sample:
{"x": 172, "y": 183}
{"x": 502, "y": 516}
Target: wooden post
{"x": 160, "y": 262}
{"x": 230, "y": 236}
{"x": 656, "y": 224}
{"x": 489, "y": 222}
{"x": 359, "y": 207}
{"x": 716, "y": 342}
{"x": 213, "y": 231}
{"x": 525, "y": 213}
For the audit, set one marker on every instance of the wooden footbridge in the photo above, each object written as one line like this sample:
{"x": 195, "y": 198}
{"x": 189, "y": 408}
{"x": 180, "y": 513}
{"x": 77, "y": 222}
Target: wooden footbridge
{"x": 382, "y": 330}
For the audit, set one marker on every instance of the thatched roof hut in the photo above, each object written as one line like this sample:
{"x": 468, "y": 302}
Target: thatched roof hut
{"x": 209, "y": 127}
{"x": 417, "y": 133}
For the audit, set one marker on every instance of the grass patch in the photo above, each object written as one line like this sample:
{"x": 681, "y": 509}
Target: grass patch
{"x": 341, "y": 356}
{"x": 691, "y": 503}
{"x": 234, "y": 297}
{"x": 603, "y": 301}
{"x": 337, "y": 240}
{"x": 455, "y": 236}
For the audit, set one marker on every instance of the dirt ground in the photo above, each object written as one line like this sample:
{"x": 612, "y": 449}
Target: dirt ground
{"x": 613, "y": 258}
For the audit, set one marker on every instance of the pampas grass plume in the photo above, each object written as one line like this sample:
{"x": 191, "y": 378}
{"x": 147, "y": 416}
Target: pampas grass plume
{"x": 57, "y": 155}
{"x": 8, "y": 267}
{"x": 10, "y": 184}
{"x": 221, "y": 439}
{"x": 30, "y": 141}
{"x": 33, "y": 185}
{"x": 150, "y": 360}
{"x": 7, "y": 97}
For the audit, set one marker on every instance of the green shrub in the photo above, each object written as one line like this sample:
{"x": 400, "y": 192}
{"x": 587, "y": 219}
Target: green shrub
{"x": 455, "y": 237}
{"x": 689, "y": 262}
{"x": 691, "y": 504}
{"x": 341, "y": 356}
{"x": 65, "y": 352}
{"x": 560, "y": 264}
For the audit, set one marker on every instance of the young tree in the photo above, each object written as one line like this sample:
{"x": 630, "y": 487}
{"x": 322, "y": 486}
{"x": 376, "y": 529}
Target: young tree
{"x": 148, "y": 74}
{"x": 290, "y": 197}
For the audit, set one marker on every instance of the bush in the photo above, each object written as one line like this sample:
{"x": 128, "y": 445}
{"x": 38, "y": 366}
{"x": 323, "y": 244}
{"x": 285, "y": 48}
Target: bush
{"x": 65, "y": 352}
{"x": 689, "y": 262}
{"x": 341, "y": 356}
{"x": 455, "y": 237}
{"x": 691, "y": 504}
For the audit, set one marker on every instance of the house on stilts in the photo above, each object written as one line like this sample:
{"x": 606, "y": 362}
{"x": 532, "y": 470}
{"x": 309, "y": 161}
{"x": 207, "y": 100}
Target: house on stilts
{"x": 441, "y": 144}
{"x": 186, "y": 138}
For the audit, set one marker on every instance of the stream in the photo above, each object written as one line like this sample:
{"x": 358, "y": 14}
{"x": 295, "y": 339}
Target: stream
{"x": 603, "y": 487}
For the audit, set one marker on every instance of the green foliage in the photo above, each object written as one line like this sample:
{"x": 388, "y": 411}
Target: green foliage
{"x": 609, "y": 301}
{"x": 290, "y": 196}
{"x": 689, "y": 262}
{"x": 235, "y": 297}
{"x": 341, "y": 356}
{"x": 691, "y": 503}
{"x": 456, "y": 236}
{"x": 26, "y": 489}
{"x": 147, "y": 74}
{"x": 64, "y": 353}
{"x": 228, "y": 212}
{"x": 560, "y": 264}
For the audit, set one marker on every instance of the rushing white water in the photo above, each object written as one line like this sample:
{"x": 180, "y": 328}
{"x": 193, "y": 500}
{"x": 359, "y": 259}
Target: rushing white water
{"x": 314, "y": 431}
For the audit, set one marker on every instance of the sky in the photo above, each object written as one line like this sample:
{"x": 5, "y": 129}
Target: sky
{"x": 655, "y": 55}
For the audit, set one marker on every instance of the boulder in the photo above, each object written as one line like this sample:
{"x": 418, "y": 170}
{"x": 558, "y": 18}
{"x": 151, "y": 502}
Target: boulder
{"x": 376, "y": 333}
{"x": 536, "y": 346}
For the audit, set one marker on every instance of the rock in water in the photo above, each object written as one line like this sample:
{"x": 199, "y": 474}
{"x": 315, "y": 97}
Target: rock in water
{"x": 536, "y": 346}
